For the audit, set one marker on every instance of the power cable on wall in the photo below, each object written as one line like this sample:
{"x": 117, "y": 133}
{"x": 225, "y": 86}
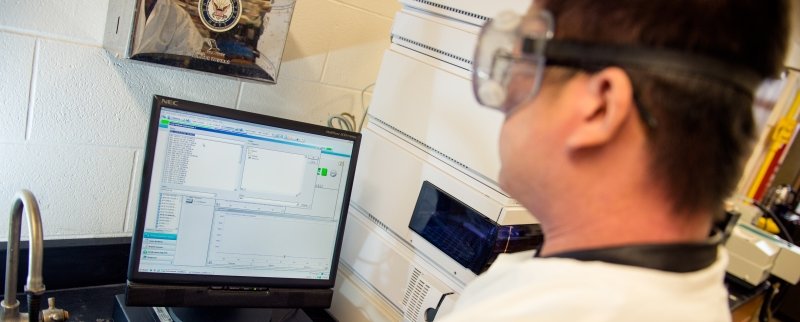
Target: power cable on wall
{"x": 347, "y": 121}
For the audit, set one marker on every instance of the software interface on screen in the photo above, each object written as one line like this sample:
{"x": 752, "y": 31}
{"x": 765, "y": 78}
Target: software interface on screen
{"x": 239, "y": 199}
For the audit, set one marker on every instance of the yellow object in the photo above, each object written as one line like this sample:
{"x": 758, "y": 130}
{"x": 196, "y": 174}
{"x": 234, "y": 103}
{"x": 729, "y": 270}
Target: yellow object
{"x": 768, "y": 225}
{"x": 781, "y": 134}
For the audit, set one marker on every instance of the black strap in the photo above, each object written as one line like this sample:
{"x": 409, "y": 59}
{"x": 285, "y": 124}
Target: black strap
{"x": 675, "y": 258}
{"x": 596, "y": 56}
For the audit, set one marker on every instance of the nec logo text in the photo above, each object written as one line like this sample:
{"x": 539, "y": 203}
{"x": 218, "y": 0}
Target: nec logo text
{"x": 169, "y": 102}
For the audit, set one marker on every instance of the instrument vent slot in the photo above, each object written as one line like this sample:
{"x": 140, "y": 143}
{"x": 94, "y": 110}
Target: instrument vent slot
{"x": 459, "y": 62}
{"x": 416, "y": 291}
{"x": 451, "y": 9}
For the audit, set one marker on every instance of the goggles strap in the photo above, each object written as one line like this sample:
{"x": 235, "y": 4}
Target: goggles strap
{"x": 593, "y": 56}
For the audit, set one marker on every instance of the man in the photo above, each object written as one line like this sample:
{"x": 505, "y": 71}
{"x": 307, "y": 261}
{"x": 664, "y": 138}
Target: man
{"x": 623, "y": 135}
{"x": 164, "y": 27}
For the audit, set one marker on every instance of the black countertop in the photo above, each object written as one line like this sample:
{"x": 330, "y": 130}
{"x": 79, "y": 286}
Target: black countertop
{"x": 74, "y": 268}
{"x": 97, "y": 304}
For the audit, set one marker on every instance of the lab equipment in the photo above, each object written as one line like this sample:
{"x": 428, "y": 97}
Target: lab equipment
{"x": 427, "y": 174}
{"x": 756, "y": 254}
{"x": 467, "y": 236}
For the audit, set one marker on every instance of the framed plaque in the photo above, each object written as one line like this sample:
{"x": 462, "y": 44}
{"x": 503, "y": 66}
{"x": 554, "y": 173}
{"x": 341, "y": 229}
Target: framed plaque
{"x": 238, "y": 38}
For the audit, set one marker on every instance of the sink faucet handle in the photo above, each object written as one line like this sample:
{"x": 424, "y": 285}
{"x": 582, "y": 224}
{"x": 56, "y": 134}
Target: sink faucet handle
{"x": 52, "y": 313}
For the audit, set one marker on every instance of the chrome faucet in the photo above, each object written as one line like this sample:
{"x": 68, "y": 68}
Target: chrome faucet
{"x": 24, "y": 200}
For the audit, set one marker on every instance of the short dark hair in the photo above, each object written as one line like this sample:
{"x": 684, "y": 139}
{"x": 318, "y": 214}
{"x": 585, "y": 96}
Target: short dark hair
{"x": 704, "y": 127}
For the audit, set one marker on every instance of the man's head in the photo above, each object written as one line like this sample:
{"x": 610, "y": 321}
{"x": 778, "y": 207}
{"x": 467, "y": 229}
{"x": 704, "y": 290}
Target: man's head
{"x": 596, "y": 118}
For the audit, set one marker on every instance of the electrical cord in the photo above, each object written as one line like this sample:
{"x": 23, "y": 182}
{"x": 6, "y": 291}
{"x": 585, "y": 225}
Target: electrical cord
{"x": 783, "y": 231}
{"x": 773, "y": 298}
{"x": 364, "y": 108}
{"x": 344, "y": 121}
{"x": 765, "y": 313}
{"x": 347, "y": 121}
{"x": 777, "y": 300}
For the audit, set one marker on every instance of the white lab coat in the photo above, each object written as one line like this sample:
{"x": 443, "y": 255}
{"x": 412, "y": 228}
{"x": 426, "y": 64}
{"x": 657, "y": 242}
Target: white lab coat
{"x": 518, "y": 287}
{"x": 169, "y": 30}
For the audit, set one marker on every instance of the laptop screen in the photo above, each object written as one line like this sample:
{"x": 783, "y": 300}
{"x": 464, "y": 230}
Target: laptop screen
{"x": 230, "y": 197}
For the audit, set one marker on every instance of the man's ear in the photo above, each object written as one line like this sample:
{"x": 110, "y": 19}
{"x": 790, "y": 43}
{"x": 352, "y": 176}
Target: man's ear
{"x": 602, "y": 114}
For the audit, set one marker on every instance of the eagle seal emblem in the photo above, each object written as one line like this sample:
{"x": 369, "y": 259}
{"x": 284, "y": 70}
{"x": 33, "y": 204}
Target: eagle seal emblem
{"x": 219, "y": 15}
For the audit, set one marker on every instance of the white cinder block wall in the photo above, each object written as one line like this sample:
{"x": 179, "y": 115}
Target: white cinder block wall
{"x": 73, "y": 120}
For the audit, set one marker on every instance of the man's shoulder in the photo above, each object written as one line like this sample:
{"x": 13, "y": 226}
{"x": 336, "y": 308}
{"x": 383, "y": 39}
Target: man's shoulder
{"x": 564, "y": 289}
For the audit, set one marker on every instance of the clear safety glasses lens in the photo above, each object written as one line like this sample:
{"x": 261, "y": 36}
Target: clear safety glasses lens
{"x": 509, "y": 59}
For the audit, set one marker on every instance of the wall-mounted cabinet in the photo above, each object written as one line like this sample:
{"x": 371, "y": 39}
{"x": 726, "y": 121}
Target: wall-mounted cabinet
{"x": 237, "y": 38}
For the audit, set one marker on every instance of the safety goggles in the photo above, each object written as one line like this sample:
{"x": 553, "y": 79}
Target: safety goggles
{"x": 513, "y": 51}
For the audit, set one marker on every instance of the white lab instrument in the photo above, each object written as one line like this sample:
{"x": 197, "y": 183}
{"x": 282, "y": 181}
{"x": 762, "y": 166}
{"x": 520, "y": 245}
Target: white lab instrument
{"x": 428, "y": 168}
{"x": 755, "y": 254}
